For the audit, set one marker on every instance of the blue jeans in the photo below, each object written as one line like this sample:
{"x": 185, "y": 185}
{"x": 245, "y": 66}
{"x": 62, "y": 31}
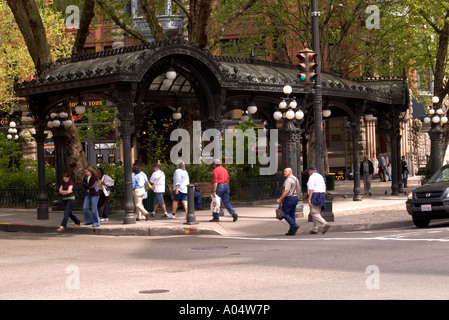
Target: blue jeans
{"x": 289, "y": 208}
{"x": 404, "y": 178}
{"x": 387, "y": 172}
{"x": 91, "y": 201}
{"x": 223, "y": 193}
{"x": 68, "y": 205}
{"x": 198, "y": 200}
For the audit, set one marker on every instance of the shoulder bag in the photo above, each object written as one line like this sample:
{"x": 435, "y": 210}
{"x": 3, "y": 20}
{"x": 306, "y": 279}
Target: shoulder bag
{"x": 280, "y": 213}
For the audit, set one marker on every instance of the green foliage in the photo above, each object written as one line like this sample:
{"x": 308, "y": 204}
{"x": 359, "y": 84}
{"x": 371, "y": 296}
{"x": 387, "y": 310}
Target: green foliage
{"x": 15, "y": 59}
{"x": 25, "y": 175}
{"x": 115, "y": 171}
{"x": 98, "y": 124}
{"x": 9, "y": 150}
{"x": 151, "y": 138}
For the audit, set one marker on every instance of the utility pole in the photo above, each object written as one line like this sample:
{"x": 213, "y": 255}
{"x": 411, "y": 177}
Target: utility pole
{"x": 317, "y": 97}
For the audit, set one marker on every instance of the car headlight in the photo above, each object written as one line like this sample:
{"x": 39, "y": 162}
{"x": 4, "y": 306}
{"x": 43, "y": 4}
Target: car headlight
{"x": 410, "y": 195}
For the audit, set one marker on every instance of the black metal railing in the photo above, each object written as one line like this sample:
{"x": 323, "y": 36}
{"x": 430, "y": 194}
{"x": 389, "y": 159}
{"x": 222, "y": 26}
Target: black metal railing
{"x": 12, "y": 197}
{"x": 253, "y": 189}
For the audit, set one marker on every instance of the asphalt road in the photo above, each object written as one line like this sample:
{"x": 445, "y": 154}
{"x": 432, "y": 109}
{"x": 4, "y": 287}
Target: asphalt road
{"x": 389, "y": 264}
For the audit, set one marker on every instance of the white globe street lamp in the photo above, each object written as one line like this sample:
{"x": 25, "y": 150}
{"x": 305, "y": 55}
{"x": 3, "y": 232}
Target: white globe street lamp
{"x": 277, "y": 115}
{"x": 299, "y": 115}
{"x": 287, "y": 89}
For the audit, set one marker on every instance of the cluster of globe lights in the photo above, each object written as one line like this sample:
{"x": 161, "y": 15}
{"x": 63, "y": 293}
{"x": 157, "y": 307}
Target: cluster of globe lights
{"x": 58, "y": 119}
{"x": 438, "y": 116}
{"x": 170, "y": 76}
{"x": 12, "y": 131}
{"x": 251, "y": 109}
{"x": 291, "y": 113}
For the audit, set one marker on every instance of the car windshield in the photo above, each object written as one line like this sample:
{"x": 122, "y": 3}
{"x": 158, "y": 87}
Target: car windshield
{"x": 442, "y": 175}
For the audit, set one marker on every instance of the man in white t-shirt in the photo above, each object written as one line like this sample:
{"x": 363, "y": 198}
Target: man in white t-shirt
{"x": 158, "y": 180}
{"x": 317, "y": 190}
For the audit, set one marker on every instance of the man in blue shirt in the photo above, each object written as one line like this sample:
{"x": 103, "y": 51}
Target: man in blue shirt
{"x": 381, "y": 166}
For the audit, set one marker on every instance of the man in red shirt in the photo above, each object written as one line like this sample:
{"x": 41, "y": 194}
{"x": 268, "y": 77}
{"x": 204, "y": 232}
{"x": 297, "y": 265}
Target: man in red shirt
{"x": 220, "y": 179}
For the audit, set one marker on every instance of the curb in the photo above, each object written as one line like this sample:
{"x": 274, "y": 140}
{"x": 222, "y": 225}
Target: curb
{"x": 184, "y": 230}
{"x": 119, "y": 231}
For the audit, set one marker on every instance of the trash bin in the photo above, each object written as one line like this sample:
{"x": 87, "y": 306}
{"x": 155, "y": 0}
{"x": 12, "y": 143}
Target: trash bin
{"x": 330, "y": 181}
{"x": 149, "y": 201}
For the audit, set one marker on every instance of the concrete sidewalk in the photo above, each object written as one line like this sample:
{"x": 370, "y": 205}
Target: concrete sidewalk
{"x": 378, "y": 211}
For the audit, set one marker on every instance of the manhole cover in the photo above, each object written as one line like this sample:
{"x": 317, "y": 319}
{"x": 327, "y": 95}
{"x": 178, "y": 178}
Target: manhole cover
{"x": 210, "y": 248}
{"x": 154, "y": 291}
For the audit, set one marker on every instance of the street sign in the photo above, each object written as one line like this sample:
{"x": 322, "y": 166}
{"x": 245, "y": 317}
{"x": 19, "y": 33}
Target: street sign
{"x": 49, "y": 147}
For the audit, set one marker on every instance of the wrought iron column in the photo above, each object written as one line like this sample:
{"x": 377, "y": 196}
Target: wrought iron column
{"x": 399, "y": 165}
{"x": 125, "y": 132}
{"x": 59, "y": 139}
{"x": 436, "y": 139}
{"x": 42, "y": 197}
{"x": 124, "y": 96}
{"x": 290, "y": 136}
{"x": 359, "y": 109}
{"x": 355, "y": 134}
{"x": 394, "y": 136}
{"x": 317, "y": 97}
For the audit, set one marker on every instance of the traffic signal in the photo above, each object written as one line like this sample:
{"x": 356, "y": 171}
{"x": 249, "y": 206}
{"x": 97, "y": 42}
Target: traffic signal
{"x": 307, "y": 66}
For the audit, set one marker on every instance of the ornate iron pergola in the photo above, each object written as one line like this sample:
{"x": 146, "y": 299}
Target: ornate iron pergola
{"x": 131, "y": 78}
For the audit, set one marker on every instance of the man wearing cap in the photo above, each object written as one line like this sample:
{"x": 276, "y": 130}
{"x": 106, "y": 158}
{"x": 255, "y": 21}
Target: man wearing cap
{"x": 317, "y": 189}
{"x": 220, "y": 180}
{"x": 366, "y": 172}
{"x": 289, "y": 199}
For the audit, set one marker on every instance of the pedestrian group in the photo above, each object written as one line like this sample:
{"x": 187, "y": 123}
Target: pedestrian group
{"x": 98, "y": 186}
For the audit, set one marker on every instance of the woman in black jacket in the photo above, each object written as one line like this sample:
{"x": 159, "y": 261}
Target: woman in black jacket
{"x": 90, "y": 184}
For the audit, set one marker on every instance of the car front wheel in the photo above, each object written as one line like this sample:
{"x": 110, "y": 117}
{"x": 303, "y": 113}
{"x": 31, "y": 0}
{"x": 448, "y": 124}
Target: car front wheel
{"x": 421, "y": 223}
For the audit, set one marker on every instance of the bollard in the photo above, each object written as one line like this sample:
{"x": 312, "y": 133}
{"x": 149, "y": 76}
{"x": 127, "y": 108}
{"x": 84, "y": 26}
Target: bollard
{"x": 328, "y": 215}
{"x": 190, "y": 218}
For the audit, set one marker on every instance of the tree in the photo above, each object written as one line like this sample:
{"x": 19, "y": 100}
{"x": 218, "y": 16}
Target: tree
{"x": 16, "y": 58}
{"x": 429, "y": 23}
{"x": 28, "y": 16}
{"x": 207, "y": 20}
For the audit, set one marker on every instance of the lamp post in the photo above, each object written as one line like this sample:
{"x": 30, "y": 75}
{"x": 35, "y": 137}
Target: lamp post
{"x": 59, "y": 121}
{"x": 13, "y": 136}
{"x": 177, "y": 115}
{"x": 250, "y": 110}
{"x": 290, "y": 134}
{"x": 318, "y": 104}
{"x": 439, "y": 118}
{"x": 317, "y": 97}
{"x": 12, "y": 131}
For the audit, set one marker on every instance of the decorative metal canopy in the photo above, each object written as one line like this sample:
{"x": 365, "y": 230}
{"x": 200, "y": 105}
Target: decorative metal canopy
{"x": 132, "y": 78}
{"x": 130, "y": 64}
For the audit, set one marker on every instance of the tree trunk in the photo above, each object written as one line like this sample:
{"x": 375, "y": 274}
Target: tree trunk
{"x": 76, "y": 159}
{"x": 83, "y": 31}
{"x": 441, "y": 84}
{"x": 148, "y": 7}
{"x": 30, "y": 24}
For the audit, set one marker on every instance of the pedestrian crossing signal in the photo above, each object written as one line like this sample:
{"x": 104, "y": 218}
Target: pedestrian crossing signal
{"x": 307, "y": 66}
